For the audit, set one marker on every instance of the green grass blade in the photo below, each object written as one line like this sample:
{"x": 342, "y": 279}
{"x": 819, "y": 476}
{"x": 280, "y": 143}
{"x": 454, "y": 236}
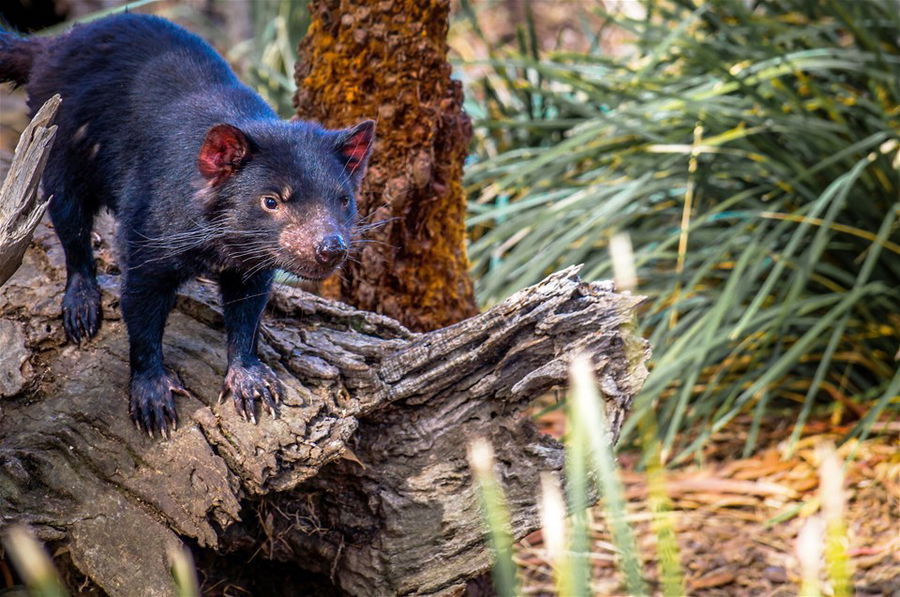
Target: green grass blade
{"x": 496, "y": 515}
{"x": 589, "y": 416}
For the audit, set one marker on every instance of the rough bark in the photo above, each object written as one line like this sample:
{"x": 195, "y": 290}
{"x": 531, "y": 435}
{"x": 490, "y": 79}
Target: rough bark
{"x": 20, "y": 208}
{"x": 363, "y": 477}
{"x": 387, "y": 60}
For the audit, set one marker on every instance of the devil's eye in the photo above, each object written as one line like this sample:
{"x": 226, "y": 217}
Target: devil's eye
{"x": 345, "y": 200}
{"x": 270, "y": 203}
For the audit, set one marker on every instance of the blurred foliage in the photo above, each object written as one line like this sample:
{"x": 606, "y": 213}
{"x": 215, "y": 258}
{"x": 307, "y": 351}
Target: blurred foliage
{"x": 265, "y": 60}
{"x": 570, "y": 547}
{"x": 278, "y": 27}
{"x": 32, "y": 562}
{"x": 751, "y": 152}
{"x": 590, "y": 466}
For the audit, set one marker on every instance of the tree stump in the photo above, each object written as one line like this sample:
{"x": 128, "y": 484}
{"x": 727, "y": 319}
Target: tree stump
{"x": 363, "y": 477}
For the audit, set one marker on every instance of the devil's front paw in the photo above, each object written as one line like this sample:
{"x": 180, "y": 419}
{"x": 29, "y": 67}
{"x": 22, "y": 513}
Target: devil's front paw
{"x": 152, "y": 404}
{"x": 82, "y": 313}
{"x": 247, "y": 384}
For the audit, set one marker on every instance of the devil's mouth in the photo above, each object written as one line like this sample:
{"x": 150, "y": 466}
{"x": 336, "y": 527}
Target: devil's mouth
{"x": 301, "y": 268}
{"x": 310, "y": 273}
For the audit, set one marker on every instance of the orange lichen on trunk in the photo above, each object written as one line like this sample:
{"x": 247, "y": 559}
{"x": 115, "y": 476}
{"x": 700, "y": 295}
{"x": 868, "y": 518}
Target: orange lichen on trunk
{"x": 387, "y": 60}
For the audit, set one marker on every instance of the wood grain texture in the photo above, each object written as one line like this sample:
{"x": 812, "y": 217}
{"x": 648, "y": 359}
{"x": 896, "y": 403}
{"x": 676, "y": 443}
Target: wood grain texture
{"x": 21, "y": 209}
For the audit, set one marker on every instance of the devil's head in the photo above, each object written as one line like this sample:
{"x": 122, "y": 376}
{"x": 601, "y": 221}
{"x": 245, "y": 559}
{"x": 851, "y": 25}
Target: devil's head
{"x": 284, "y": 193}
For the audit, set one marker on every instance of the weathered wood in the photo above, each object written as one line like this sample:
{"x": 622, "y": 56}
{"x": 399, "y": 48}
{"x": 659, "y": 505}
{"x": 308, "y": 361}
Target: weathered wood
{"x": 363, "y": 476}
{"x": 20, "y": 208}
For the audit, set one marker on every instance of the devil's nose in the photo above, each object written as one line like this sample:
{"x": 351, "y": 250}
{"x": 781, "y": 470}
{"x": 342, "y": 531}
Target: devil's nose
{"x": 331, "y": 251}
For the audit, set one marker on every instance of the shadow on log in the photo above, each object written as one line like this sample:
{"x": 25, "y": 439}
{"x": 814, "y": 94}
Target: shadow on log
{"x": 362, "y": 478}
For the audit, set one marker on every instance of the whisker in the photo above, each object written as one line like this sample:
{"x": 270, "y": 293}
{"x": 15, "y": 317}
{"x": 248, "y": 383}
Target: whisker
{"x": 374, "y": 225}
{"x": 369, "y": 241}
{"x": 359, "y": 245}
{"x": 340, "y": 274}
{"x": 267, "y": 263}
{"x": 250, "y": 252}
{"x": 244, "y": 298}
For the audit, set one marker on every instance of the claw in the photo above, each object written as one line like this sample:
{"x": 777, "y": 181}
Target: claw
{"x": 81, "y": 309}
{"x": 275, "y": 390}
{"x": 249, "y": 385}
{"x": 152, "y": 403}
{"x": 249, "y": 407}
{"x": 245, "y": 404}
{"x": 269, "y": 397}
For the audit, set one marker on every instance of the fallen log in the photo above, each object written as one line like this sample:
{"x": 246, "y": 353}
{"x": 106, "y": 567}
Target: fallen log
{"x": 362, "y": 478}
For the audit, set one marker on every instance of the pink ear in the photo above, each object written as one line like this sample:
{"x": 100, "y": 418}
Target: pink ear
{"x": 223, "y": 151}
{"x": 356, "y": 145}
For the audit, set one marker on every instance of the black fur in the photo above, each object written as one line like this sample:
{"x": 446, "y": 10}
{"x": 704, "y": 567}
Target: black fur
{"x": 204, "y": 178}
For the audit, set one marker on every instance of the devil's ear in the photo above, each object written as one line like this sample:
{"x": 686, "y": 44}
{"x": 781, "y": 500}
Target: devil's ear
{"x": 223, "y": 151}
{"x": 354, "y": 145}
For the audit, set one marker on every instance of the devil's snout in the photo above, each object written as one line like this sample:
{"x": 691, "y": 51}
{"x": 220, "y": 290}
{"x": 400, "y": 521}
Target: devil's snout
{"x": 331, "y": 251}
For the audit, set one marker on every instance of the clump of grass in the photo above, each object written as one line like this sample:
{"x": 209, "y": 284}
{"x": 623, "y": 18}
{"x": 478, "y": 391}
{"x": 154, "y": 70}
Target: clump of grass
{"x": 591, "y": 469}
{"x": 752, "y": 154}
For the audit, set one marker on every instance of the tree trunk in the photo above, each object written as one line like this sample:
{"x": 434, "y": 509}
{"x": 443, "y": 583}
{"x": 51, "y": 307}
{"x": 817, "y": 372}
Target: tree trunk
{"x": 387, "y": 60}
{"x": 362, "y": 478}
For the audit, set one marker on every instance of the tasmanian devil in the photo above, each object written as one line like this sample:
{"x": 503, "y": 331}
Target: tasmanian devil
{"x": 204, "y": 179}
